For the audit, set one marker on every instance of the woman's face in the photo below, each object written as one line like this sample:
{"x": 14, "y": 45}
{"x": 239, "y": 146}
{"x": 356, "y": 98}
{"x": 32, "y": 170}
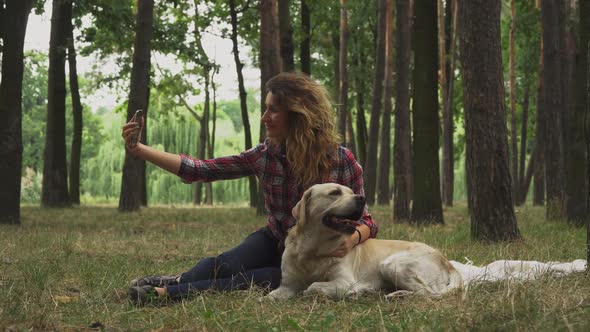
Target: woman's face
{"x": 274, "y": 120}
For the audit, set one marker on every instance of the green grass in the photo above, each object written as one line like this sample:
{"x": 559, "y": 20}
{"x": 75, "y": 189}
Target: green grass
{"x": 67, "y": 269}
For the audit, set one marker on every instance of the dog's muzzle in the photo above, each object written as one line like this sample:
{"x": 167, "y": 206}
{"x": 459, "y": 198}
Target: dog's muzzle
{"x": 346, "y": 223}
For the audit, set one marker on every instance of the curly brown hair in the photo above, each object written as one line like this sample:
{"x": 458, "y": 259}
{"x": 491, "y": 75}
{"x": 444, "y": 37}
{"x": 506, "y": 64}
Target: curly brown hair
{"x": 311, "y": 136}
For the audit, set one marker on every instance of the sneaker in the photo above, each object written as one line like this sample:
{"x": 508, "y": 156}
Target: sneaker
{"x": 143, "y": 295}
{"x": 156, "y": 281}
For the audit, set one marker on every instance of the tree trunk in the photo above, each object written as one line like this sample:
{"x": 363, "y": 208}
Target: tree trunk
{"x": 442, "y": 67}
{"x": 427, "y": 205}
{"x": 512, "y": 74}
{"x": 370, "y": 172}
{"x": 306, "y": 38}
{"x": 286, "y": 35}
{"x": 585, "y": 67}
{"x": 402, "y": 166}
{"x": 447, "y": 114}
{"x": 270, "y": 65}
{"x": 539, "y": 170}
{"x": 133, "y": 180}
{"x": 361, "y": 122}
{"x": 343, "y": 75}
{"x": 211, "y": 139}
{"x": 576, "y": 158}
{"x": 350, "y": 133}
{"x": 383, "y": 194}
{"x": 13, "y": 14}
{"x": 77, "y": 116}
{"x": 553, "y": 98}
{"x": 243, "y": 95}
{"x": 206, "y": 117}
{"x": 55, "y": 173}
{"x": 492, "y": 213}
{"x": 521, "y": 196}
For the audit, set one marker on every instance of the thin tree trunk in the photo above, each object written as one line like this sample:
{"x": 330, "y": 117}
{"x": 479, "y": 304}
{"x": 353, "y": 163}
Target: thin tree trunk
{"x": 343, "y": 75}
{"x": 512, "y": 74}
{"x": 427, "y": 205}
{"x": 133, "y": 182}
{"x": 350, "y": 133}
{"x": 539, "y": 170}
{"x": 553, "y": 97}
{"x": 243, "y": 96}
{"x": 211, "y": 147}
{"x": 402, "y": 166}
{"x": 270, "y": 65}
{"x": 492, "y": 212}
{"x": 576, "y": 158}
{"x": 447, "y": 82}
{"x": 77, "y": 117}
{"x": 55, "y": 173}
{"x": 13, "y": 14}
{"x": 207, "y": 117}
{"x": 361, "y": 122}
{"x": 383, "y": 193}
{"x": 526, "y": 178}
{"x": 370, "y": 172}
{"x": 306, "y": 38}
{"x": 286, "y": 35}
{"x": 521, "y": 196}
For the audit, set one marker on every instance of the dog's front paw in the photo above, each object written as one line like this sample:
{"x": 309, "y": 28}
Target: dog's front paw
{"x": 280, "y": 294}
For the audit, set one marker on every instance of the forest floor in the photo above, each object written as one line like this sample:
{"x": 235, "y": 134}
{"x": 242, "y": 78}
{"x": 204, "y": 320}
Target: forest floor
{"x": 68, "y": 269}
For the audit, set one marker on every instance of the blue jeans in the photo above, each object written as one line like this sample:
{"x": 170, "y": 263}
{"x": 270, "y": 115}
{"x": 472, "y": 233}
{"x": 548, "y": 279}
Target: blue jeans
{"x": 257, "y": 260}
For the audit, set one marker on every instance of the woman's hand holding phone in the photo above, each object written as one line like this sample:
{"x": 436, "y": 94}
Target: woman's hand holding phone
{"x": 132, "y": 131}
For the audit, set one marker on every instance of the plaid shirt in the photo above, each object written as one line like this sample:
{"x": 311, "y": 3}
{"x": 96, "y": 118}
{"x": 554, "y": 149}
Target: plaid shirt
{"x": 269, "y": 163}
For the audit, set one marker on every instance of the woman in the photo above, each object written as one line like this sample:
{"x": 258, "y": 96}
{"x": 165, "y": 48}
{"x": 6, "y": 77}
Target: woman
{"x": 301, "y": 149}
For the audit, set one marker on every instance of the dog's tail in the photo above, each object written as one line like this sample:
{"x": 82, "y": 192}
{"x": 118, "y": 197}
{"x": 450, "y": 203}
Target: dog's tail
{"x": 455, "y": 280}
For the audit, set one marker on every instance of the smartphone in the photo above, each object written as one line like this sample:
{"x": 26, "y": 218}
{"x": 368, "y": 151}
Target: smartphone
{"x": 138, "y": 119}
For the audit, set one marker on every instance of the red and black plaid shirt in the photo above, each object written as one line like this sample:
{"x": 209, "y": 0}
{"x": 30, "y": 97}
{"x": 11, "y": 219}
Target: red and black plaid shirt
{"x": 269, "y": 163}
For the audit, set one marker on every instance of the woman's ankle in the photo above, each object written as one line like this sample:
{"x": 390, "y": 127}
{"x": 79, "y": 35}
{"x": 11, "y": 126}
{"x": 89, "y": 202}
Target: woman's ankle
{"x": 161, "y": 291}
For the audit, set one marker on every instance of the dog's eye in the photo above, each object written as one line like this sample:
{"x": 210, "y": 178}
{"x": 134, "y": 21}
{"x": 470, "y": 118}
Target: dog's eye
{"x": 336, "y": 192}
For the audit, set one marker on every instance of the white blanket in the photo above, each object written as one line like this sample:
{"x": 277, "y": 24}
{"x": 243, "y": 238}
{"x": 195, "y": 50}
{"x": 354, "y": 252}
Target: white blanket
{"x": 515, "y": 270}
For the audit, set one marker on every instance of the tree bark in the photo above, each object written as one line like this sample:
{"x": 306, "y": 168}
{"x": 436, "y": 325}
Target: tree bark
{"x": 76, "y": 149}
{"x": 383, "y": 194}
{"x": 361, "y": 122}
{"x": 343, "y": 75}
{"x": 402, "y": 166}
{"x": 270, "y": 65}
{"x": 539, "y": 170}
{"x": 133, "y": 181}
{"x": 521, "y": 193}
{"x": 427, "y": 205}
{"x": 447, "y": 70}
{"x": 554, "y": 163}
{"x": 512, "y": 74}
{"x": 585, "y": 67}
{"x": 492, "y": 213}
{"x": 306, "y": 39}
{"x": 243, "y": 95}
{"x": 55, "y": 173}
{"x": 576, "y": 157}
{"x": 286, "y": 35}
{"x": 13, "y": 14}
{"x": 370, "y": 172}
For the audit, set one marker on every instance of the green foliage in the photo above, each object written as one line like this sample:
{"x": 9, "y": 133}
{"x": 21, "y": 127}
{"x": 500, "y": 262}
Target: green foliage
{"x": 68, "y": 269}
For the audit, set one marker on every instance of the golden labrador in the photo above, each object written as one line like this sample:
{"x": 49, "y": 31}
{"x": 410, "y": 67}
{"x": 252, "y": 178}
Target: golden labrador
{"x": 325, "y": 215}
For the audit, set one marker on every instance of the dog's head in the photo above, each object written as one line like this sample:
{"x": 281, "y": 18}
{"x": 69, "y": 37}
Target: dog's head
{"x": 331, "y": 205}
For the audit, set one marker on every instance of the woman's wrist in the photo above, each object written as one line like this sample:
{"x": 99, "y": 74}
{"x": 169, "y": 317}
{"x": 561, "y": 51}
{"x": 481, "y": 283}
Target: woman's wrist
{"x": 359, "y": 238}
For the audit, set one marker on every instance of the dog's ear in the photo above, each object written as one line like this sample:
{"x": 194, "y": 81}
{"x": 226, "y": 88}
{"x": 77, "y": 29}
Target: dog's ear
{"x": 298, "y": 211}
